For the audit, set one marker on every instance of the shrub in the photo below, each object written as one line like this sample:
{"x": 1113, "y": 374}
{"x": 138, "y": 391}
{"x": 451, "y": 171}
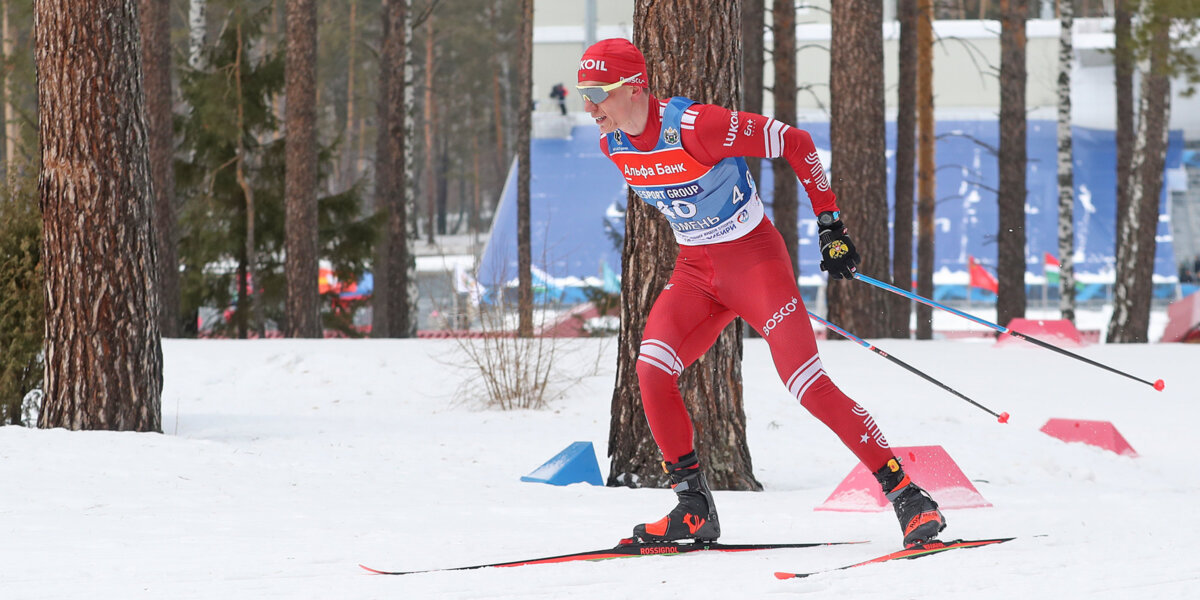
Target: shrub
{"x": 22, "y": 320}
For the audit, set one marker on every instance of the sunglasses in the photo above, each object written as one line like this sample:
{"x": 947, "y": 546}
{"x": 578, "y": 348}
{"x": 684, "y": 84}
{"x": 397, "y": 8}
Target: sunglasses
{"x": 599, "y": 93}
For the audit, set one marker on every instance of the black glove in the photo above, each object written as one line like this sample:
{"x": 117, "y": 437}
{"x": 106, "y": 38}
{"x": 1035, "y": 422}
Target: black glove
{"x": 838, "y": 255}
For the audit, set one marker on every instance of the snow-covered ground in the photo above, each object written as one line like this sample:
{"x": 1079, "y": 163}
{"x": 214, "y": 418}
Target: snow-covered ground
{"x": 285, "y": 464}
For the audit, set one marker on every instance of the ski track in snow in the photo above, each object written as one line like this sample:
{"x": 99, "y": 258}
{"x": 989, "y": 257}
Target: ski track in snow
{"x": 285, "y": 464}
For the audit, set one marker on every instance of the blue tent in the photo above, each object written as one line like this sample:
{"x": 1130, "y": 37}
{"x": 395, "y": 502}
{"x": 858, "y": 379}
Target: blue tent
{"x": 578, "y": 202}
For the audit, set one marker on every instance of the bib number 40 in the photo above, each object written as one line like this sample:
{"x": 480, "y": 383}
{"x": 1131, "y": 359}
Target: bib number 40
{"x": 680, "y": 209}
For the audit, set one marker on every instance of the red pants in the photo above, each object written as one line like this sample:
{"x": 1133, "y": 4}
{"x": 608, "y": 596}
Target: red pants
{"x": 750, "y": 277}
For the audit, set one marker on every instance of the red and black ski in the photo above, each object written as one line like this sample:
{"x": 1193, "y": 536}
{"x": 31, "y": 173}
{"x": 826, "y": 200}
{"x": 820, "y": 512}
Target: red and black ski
{"x": 926, "y": 549}
{"x": 625, "y": 549}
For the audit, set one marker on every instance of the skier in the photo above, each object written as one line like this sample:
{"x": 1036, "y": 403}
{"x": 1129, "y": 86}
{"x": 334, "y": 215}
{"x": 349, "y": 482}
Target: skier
{"x": 686, "y": 159}
{"x": 559, "y": 94}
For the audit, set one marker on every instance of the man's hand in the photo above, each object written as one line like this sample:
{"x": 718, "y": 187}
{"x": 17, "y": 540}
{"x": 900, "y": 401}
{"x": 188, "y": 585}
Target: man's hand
{"x": 838, "y": 255}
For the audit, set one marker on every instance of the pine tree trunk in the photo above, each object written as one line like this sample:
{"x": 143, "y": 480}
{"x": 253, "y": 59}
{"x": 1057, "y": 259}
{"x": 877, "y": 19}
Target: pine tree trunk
{"x": 349, "y": 155}
{"x": 380, "y": 323}
{"x": 524, "y": 104}
{"x": 11, "y": 130}
{"x": 1010, "y": 263}
{"x": 753, "y": 17}
{"x": 156, "y": 58}
{"x": 784, "y": 210}
{"x": 859, "y": 165}
{"x": 694, "y": 51}
{"x": 431, "y": 183}
{"x": 303, "y": 306}
{"x": 1136, "y": 239}
{"x": 900, "y": 309}
{"x": 1066, "y": 168}
{"x": 103, "y": 350}
{"x": 926, "y": 167}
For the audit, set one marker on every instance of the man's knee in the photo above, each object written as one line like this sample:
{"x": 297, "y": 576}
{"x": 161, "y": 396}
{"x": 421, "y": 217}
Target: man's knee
{"x": 657, "y": 359}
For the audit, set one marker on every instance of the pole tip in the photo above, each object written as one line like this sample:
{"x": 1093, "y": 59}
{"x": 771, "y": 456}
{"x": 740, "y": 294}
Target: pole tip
{"x": 1003, "y": 417}
{"x": 1159, "y": 385}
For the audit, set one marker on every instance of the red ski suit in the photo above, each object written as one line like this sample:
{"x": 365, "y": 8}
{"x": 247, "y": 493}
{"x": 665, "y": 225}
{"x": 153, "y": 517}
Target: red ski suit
{"x": 750, "y": 276}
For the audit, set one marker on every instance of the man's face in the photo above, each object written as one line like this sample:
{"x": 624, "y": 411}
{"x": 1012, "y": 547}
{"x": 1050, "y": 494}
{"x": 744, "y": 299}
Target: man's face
{"x": 614, "y": 112}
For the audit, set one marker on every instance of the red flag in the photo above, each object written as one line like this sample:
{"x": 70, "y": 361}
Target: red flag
{"x": 980, "y": 278}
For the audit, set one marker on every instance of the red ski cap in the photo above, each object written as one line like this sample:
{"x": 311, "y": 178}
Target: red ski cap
{"x": 611, "y": 60}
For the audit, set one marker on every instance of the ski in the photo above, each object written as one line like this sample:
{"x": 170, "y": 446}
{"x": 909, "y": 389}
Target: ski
{"x": 927, "y": 549}
{"x": 625, "y": 549}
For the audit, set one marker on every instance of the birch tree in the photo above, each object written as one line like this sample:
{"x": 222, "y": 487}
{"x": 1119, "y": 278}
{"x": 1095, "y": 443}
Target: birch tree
{"x": 1136, "y": 237}
{"x": 1066, "y": 169}
{"x": 197, "y": 32}
{"x": 395, "y": 311}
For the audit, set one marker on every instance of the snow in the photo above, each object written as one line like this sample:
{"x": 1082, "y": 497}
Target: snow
{"x": 285, "y": 464}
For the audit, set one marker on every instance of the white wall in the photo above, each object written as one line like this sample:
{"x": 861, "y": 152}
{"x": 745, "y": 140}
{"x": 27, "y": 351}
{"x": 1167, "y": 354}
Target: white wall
{"x": 966, "y": 63}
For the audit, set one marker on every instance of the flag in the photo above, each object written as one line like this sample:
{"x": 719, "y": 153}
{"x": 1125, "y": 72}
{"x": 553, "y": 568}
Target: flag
{"x": 1051, "y": 269}
{"x": 612, "y": 285}
{"x": 980, "y": 278}
{"x": 465, "y": 283}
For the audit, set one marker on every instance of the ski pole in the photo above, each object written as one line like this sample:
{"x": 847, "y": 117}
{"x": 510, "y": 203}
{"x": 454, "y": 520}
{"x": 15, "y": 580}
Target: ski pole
{"x": 1158, "y": 384}
{"x": 1002, "y": 417}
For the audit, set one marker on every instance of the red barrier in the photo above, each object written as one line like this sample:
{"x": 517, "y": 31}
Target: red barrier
{"x": 1101, "y": 434}
{"x": 1059, "y": 332}
{"x": 929, "y": 466}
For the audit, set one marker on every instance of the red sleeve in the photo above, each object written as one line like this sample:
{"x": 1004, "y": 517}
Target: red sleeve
{"x": 712, "y": 133}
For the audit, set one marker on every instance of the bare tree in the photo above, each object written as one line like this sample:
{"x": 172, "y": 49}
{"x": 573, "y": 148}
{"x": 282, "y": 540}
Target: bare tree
{"x": 103, "y": 350}
{"x": 694, "y": 50}
{"x": 859, "y": 165}
{"x": 156, "y": 57}
{"x": 524, "y": 108}
{"x": 1136, "y": 238}
{"x": 1066, "y": 168}
{"x": 784, "y": 210}
{"x": 900, "y": 311}
{"x": 249, "y": 286}
{"x": 926, "y": 167}
{"x": 1010, "y": 263}
{"x": 300, "y": 116}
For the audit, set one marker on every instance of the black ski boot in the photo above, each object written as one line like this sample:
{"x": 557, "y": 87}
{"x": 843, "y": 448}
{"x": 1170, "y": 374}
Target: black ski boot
{"x": 920, "y": 519}
{"x": 695, "y": 517}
